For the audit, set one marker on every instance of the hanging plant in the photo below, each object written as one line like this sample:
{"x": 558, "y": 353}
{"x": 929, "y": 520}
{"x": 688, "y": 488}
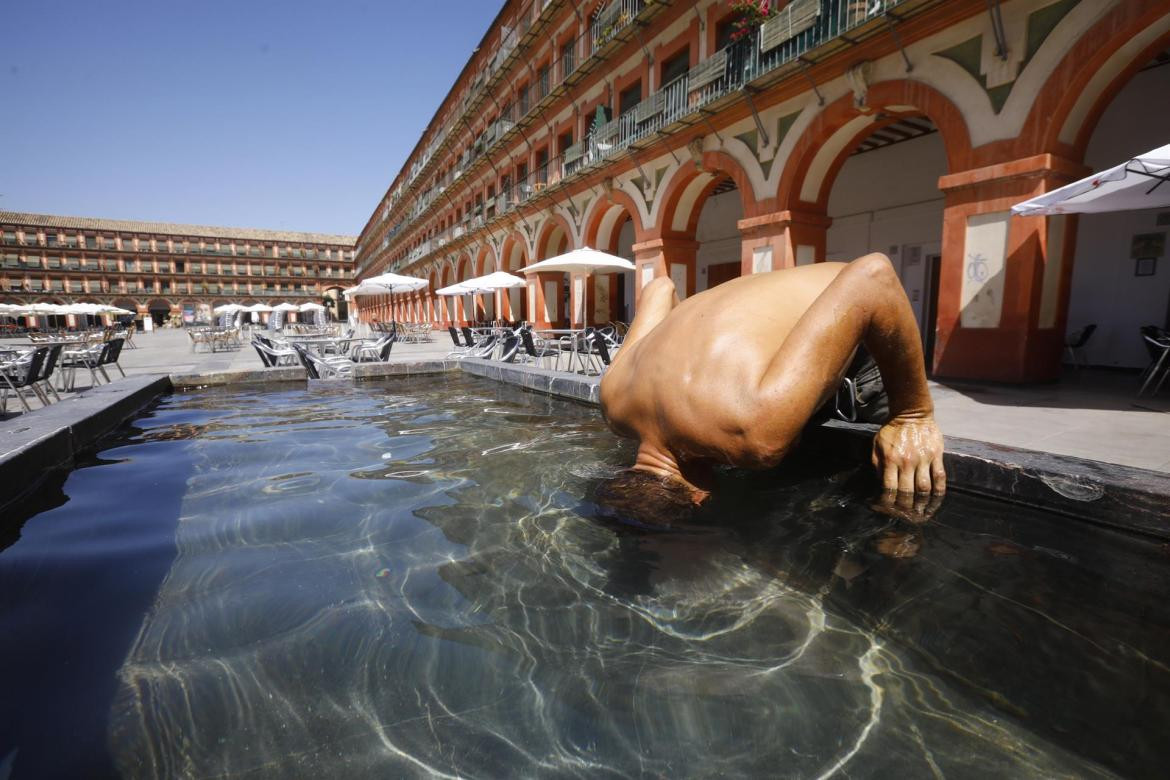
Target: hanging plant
{"x": 751, "y": 14}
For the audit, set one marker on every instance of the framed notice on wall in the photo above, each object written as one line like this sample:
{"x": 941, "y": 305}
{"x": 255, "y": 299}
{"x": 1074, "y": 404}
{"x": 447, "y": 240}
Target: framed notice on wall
{"x": 1147, "y": 245}
{"x": 1145, "y": 266}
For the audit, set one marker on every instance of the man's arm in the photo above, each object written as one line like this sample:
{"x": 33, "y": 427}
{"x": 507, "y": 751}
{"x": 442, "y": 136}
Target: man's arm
{"x": 865, "y": 302}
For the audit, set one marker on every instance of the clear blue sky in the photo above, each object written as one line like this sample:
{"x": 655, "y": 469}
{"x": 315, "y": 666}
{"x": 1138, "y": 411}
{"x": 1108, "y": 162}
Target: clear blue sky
{"x": 281, "y": 114}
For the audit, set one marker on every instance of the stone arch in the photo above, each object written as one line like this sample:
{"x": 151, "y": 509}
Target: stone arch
{"x": 682, "y": 197}
{"x": 555, "y": 235}
{"x": 606, "y": 217}
{"x": 483, "y": 257}
{"x": 829, "y": 139}
{"x": 1092, "y": 73}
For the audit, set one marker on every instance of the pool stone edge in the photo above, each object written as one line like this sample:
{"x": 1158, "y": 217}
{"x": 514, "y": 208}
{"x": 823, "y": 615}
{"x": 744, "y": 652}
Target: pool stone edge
{"x": 34, "y": 445}
{"x": 1123, "y": 497}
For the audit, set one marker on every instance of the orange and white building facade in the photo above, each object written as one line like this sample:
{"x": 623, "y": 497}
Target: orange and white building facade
{"x": 165, "y": 269}
{"x": 839, "y": 127}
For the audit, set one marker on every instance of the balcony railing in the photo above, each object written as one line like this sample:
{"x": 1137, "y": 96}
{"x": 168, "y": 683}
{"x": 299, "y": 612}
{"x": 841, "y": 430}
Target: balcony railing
{"x": 801, "y": 26}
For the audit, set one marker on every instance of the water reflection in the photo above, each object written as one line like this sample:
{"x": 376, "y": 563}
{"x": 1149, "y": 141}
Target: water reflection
{"x": 405, "y": 580}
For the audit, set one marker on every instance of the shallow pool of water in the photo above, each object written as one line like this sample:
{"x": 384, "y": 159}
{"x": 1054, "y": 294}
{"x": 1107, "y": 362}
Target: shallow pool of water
{"x": 407, "y": 579}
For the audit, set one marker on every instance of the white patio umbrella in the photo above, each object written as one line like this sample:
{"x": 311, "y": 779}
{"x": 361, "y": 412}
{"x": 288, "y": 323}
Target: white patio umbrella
{"x": 365, "y": 288}
{"x": 454, "y": 289}
{"x": 581, "y": 261}
{"x": 1140, "y": 183}
{"x": 106, "y": 309}
{"x": 498, "y": 280}
{"x": 257, "y": 307}
{"x": 286, "y": 307}
{"x": 310, "y": 307}
{"x": 227, "y": 308}
{"x": 397, "y": 282}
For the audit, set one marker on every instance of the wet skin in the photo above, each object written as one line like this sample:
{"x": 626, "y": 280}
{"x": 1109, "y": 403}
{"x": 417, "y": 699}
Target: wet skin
{"x": 733, "y": 374}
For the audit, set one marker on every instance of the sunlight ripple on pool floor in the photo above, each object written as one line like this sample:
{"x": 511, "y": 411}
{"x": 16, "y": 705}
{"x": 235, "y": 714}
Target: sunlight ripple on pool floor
{"x": 404, "y": 580}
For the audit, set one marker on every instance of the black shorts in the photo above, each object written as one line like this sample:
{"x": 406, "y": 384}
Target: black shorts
{"x": 861, "y": 396}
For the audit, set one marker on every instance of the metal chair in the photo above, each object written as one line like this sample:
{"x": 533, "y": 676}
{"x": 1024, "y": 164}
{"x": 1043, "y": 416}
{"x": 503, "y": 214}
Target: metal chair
{"x": 1076, "y": 342}
{"x": 22, "y": 374}
{"x": 1157, "y": 343}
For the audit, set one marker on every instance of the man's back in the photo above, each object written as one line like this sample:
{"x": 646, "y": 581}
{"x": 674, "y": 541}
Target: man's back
{"x": 692, "y": 381}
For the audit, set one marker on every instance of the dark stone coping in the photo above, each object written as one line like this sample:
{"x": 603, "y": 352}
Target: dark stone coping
{"x": 564, "y": 385}
{"x": 1102, "y": 493}
{"x": 34, "y": 444}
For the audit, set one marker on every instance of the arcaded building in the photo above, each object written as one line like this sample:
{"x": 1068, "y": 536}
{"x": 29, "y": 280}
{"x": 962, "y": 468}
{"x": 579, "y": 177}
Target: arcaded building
{"x": 703, "y": 150}
{"x": 164, "y": 269}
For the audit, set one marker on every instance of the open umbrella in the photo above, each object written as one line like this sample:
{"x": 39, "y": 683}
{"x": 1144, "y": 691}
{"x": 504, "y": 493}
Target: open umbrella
{"x": 227, "y": 308}
{"x": 581, "y": 261}
{"x": 286, "y": 307}
{"x": 454, "y": 289}
{"x": 311, "y": 307}
{"x": 397, "y": 282}
{"x": 498, "y": 280}
{"x": 1140, "y": 183}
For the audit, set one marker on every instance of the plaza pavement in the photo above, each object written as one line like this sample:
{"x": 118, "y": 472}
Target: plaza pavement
{"x": 1089, "y": 414}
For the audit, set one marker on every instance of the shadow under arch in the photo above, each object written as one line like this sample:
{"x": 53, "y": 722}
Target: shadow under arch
{"x": 1100, "y": 50}
{"x": 835, "y": 133}
{"x": 690, "y": 187}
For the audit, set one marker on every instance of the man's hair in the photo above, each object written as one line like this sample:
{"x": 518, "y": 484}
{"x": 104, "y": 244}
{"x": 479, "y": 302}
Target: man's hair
{"x": 646, "y": 498}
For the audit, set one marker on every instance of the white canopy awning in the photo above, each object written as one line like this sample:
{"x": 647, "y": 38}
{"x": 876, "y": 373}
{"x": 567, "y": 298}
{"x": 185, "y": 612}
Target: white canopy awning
{"x": 227, "y": 308}
{"x": 311, "y": 306}
{"x": 581, "y": 261}
{"x": 257, "y": 307}
{"x": 1140, "y": 183}
{"x": 286, "y": 307}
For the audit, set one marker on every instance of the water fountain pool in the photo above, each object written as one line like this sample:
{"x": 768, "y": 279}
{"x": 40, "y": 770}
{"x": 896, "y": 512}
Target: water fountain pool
{"x": 407, "y": 578}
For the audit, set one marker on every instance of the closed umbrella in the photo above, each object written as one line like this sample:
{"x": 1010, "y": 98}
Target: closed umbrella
{"x": 1139, "y": 183}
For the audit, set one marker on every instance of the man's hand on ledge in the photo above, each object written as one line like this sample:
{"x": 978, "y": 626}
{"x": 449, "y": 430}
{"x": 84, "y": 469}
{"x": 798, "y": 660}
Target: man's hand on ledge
{"x": 908, "y": 455}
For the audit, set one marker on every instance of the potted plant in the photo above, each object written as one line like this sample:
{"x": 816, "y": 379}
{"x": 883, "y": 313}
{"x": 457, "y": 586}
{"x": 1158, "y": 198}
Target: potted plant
{"x": 751, "y": 14}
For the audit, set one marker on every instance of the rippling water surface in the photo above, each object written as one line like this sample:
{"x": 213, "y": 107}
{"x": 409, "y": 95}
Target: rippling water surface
{"x": 408, "y": 580}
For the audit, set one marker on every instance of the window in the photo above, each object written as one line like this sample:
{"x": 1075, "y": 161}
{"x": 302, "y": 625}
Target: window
{"x": 565, "y": 141}
{"x": 543, "y": 80}
{"x": 71, "y": 242}
{"x": 50, "y": 239}
{"x": 9, "y": 236}
{"x": 30, "y": 237}
{"x": 723, "y": 32}
{"x": 108, "y": 243}
{"x": 630, "y": 97}
{"x": 568, "y": 58}
{"x": 524, "y": 100}
{"x": 675, "y": 67}
{"x": 52, "y": 262}
{"x": 91, "y": 242}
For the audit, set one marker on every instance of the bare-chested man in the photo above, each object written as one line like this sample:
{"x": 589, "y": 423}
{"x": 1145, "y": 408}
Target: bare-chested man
{"x": 733, "y": 374}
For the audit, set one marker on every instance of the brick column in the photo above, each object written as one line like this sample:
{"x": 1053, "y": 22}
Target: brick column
{"x": 665, "y": 256}
{"x": 782, "y": 239}
{"x": 1004, "y": 282}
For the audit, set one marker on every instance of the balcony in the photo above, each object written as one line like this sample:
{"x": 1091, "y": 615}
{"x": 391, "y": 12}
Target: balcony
{"x": 770, "y": 53}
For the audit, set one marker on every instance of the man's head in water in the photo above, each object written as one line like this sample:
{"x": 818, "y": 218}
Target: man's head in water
{"x": 648, "y": 498}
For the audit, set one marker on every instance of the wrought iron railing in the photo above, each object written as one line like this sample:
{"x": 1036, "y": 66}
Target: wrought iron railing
{"x": 801, "y": 26}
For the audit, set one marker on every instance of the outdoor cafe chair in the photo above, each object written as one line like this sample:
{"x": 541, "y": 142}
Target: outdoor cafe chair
{"x": 271, "y": 355}
{"x": 23, "y": 373}
{"x": 45, "y": 378}
{"x": 377, "y": 351}
{"x": 536, "y": 352}
{"x": 111, "y": 354}
{"x": 89, "y": 358}
{"x": 319, "y": 368}
{"x": 1075, "y": 344}
{"x": 1157, "y": 343}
